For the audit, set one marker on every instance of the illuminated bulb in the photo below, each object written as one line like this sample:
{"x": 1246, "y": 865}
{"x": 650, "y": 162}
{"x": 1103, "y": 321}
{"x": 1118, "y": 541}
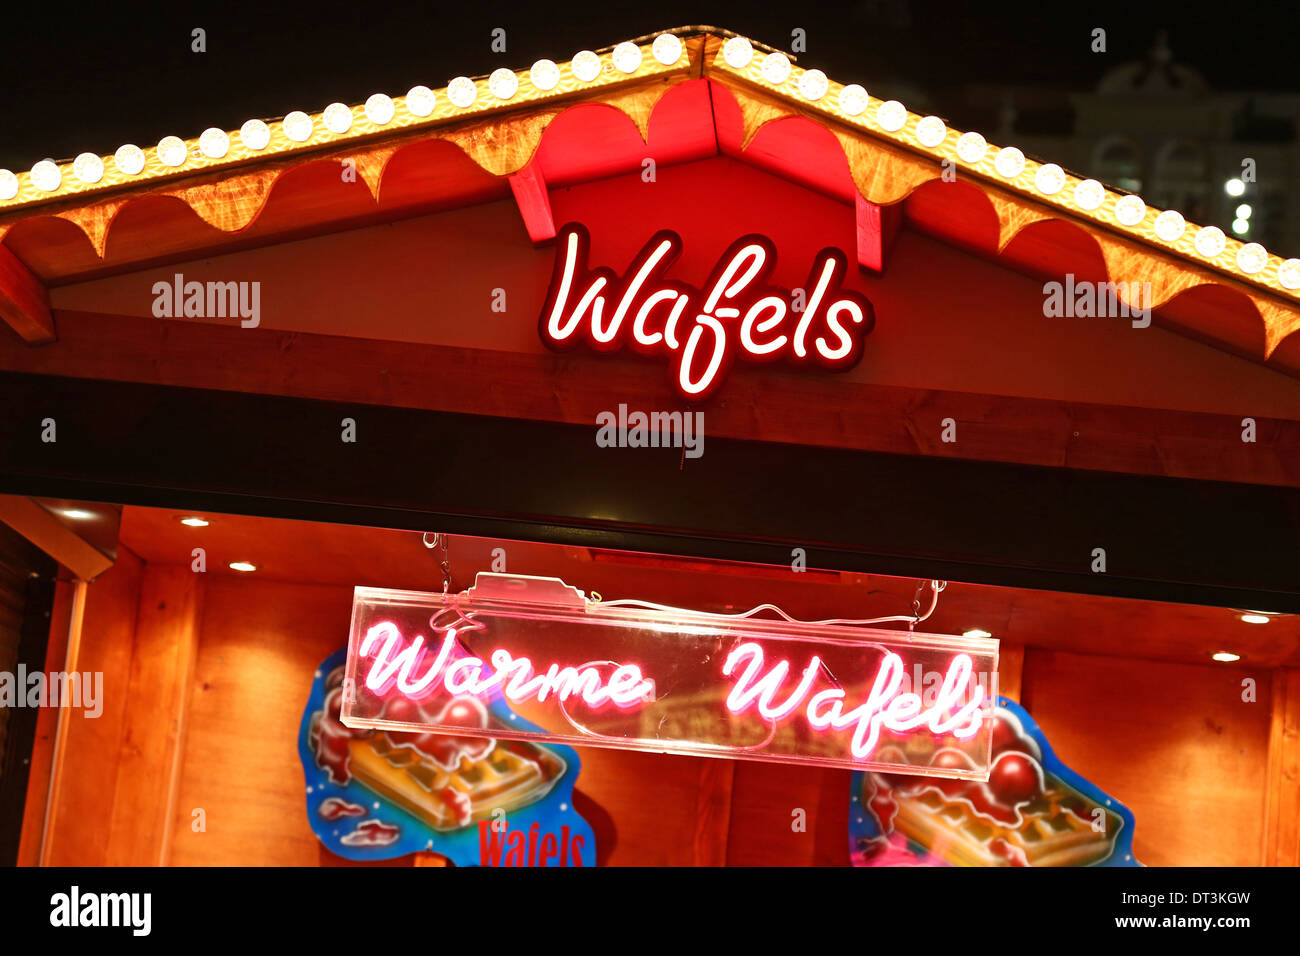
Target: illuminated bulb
{"x": 976, "y": 632}
{"x": 47, "y": 176}
{"x": 1089, "y": 195}
{"x": 88, "y": 167}
{"x": 813, "y": 85}
{"x": 1226, "y": 656}
{"x": 931, "y": 131}
{"x": 242, "y": 566}
{"x": 1170, "y": 225}
{"x": 1210, "y": 241}
{"x": 545, "y": 75}
{"x": 194, "y": 521}
{"x": 1244, "y": 211}
{"x": 626, "y": 57}
{"x": 214, "y": 143}
{"x": 420, "y": 100}
{"x": 667, "y": 49}
{"x": 891, "y": 115}
{"x": 503, "y": 83}
{"x": 1252, "y": 258}
{"x": 971, "y": 148}
{"x": 297, "y": 126}
{"x": 1234, "y": 187}
{"x": 462, "y": 92}
{"x": 853, "y": 100}
{"x": 129, "y": 159}
{"x": 76, "y": 514}
{"x": 1009, "y": 162}
{"x": 380, "y": 109}
{"x": 586, "y": 66}
{"x": 1130, "y": 210}
{"x": 255, "y": 134}
{"x": 172, "y": 151}
{"x": 1050, "y": 179}
{"x": 337, "y": 118}
{"x": 8, "y": 184}
{"x": 738, "y": 53}
{"x": 1240, "y": 226}
{"x": 1288, "y": 274}
{"x": 776, "y": 68}
{"x": 1255, "y": 618}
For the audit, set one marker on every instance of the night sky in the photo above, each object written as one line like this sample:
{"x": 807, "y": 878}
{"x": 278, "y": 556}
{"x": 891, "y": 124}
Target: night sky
{"x": 94, "y": 79}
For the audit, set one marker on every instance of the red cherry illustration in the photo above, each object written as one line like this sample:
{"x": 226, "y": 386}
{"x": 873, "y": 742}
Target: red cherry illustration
{"x": 1015, "y": 778}
{"x": 950, "y": 759}
{"x": 1005, "y": 736}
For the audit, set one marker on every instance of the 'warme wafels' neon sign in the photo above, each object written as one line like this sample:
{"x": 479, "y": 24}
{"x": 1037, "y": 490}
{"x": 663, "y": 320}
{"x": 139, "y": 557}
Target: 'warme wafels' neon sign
{"x": 703, "y": 331}
{"x": 650, "y": 679}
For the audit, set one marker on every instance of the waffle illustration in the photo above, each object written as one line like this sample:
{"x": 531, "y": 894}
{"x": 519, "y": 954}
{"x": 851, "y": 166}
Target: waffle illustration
{"x": 510, "y": 776}
{"x": 1022, "y": 816}
{"x": 1053, "y": 830}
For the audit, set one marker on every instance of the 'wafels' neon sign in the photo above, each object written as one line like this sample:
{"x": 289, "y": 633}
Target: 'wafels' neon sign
{"x": 703, "y": 331}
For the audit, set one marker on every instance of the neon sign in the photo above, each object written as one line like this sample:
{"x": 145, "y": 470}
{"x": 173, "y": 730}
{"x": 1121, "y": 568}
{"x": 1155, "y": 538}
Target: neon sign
{"x": 703, "y": 331}
{"x": 667, "y": 681}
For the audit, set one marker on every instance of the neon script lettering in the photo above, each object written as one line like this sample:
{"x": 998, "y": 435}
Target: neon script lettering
{"x": 703, "y": 331}
{"x": 884, "y": 707}
{"x": 400, "y": 666}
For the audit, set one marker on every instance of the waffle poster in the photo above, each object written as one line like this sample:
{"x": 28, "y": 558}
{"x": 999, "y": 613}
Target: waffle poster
{"x": 479, "y": 801}
{"x": 1033, "y": 811}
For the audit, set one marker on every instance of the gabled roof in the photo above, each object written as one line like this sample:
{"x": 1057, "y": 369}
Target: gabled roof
{"x": 552, "y": 124}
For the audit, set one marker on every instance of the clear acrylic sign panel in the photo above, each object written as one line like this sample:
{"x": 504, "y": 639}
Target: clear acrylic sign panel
{"x": 669, "y": 681}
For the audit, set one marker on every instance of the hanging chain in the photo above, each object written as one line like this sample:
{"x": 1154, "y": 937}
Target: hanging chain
{"x": 440, "y": 540}
{"x": 921, "y": 586}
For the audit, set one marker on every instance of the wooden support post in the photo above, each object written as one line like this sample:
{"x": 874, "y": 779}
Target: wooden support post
{"x": 877, "y": 229}
{"x": 24, "y": 301}
{"x": 529, "y": 187}
{"x": 1282, "y": 783}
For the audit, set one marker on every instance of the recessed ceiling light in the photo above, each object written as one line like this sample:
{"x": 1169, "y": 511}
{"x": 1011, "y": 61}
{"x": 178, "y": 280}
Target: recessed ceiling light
{"x": 1256, "y": 618}
{"x": 77, "y": 514}
{"x": 1226, "y": 656}
{"x": 193, "y": 521}
{"x": 242, "y": 566}
{"x": 976, "y": 632}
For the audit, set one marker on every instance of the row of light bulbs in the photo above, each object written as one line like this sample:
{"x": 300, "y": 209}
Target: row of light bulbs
{"x": 1009, "y": 162}
{"x": 972, "y": 148}
{"x": 379, "y": 109}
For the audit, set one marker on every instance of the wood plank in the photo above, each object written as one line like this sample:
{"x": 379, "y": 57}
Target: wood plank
{"x": 1011, "y": 663}
{"x": 1282, "y": 796}
{"x": 24, "y": 300}
{"x": 544, "y": 387}
{"x": 37, "y": 525}
{"x": 38, "y": 775}
{"x": 166, "y": 638}
{"x": 713, "y": 812}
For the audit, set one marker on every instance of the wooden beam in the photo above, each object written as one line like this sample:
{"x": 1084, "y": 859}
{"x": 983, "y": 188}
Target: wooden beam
{"x": 1023, "y": 430}
{"x": 529, "y": 187}
{"x": 24, "y": 301}
{"x": 1282, "y": 786}
{"x": 877, "y": 228}
{"x": 53, "y": 537}
{"x": 1011, "y": 666}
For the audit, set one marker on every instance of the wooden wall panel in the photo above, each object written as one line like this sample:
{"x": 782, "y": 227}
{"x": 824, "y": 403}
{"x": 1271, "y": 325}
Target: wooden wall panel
{"x": 1282, "y": 807}
{"x": 1174, "y": 742}
{"x": 81, "y": 820}
{"x": 162, "y": 662}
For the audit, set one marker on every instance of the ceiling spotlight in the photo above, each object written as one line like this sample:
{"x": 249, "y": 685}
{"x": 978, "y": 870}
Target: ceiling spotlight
{"x": 1234, "y": 187}
{"x": 1256, "y": 618}
{"x": 76, "y": 514}
{"x": 976, "y": 632}
{"x": 243, "y": 566}
{"x": 1225, "y": 656}
{"x": 193, "y": 521}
